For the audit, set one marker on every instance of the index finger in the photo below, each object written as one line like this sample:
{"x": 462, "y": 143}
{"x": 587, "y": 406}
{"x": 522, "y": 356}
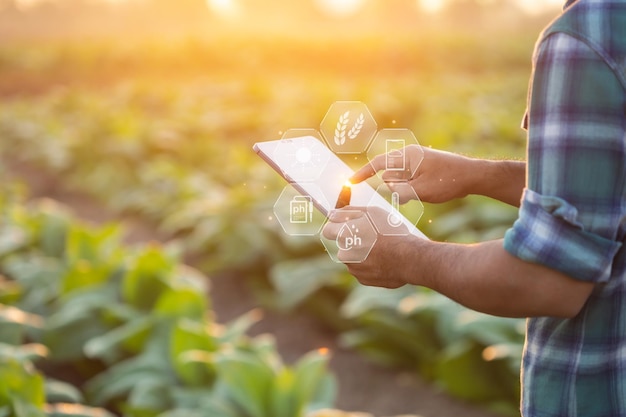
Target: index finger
{"x": 376, "y": 164}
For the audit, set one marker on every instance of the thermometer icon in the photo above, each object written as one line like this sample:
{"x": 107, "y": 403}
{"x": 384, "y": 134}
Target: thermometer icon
{"x": 394, "y": 219}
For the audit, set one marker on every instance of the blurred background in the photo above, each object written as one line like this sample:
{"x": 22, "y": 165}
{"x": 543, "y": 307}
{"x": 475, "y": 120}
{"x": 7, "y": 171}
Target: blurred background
{"x": 126, "y": 129}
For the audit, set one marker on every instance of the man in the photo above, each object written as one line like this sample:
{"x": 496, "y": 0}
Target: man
{"x": 563, "y": 262}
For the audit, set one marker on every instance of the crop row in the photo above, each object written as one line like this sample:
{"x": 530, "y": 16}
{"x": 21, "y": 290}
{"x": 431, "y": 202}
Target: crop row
{"x": 89, "y": 325}
{"x": 180, "y": 158}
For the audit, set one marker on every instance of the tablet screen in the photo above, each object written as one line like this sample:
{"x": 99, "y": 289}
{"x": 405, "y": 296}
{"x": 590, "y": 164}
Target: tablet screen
{"x": 319, "y": 173}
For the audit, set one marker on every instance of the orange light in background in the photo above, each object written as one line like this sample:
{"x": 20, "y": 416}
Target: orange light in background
{"x": 340, "y": 8}
{"x": 323, "y": 351}
{"x": 224, "y": 8}
{"x": 431, "y": 6}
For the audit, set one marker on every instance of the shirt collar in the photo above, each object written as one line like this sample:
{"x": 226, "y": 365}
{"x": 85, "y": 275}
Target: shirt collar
{"x": 568, "y": 3}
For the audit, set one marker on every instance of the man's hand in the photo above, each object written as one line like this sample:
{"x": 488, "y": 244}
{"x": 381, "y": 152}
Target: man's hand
{"x": 438, "y": 176}
{"x": 378, "y": 267}
{"x": 483, "y": 277}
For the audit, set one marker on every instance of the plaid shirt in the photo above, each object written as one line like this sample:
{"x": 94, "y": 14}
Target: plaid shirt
{"x": 573, "y": 212}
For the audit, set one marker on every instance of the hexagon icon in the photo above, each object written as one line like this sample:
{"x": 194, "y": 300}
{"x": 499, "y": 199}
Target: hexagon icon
{"x": 399, "y": 165}
{"x": 348, "y": 127}
{"x": 390, "y": 224}
{"x": 355, "y": 238}
{"x": 301, "y": 160}
{"x": 296, "y": 214}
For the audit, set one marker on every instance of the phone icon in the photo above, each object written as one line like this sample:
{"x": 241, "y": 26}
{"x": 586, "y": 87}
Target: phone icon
{"x": 395, "y": 158}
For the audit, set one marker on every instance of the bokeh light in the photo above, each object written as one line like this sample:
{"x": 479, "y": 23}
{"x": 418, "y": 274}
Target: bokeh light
{"x": 340, "y": 8}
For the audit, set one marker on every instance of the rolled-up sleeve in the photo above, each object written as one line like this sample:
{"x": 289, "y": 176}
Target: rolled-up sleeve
{"x": 574, "y": 204}
{"x": 548, "y": 233}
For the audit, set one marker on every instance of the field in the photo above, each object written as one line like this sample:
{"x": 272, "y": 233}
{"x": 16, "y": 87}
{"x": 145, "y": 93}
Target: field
{"x": 150, "y": 126}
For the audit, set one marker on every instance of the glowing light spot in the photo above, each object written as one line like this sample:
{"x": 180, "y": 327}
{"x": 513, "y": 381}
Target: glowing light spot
{"x": 323, "y": 351}
{"x": 431, "y": 6}
{"x": 224, "y": 8}
{"x": 340, "y": 8}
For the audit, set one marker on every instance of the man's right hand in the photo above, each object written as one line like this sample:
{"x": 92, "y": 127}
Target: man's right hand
{"x": 439, "y": 176}
{"x": 436, "y": 176}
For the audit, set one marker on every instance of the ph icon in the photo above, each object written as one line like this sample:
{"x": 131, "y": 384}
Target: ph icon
{"x": 301, "y": 209}
{"x": 348, "y": 237}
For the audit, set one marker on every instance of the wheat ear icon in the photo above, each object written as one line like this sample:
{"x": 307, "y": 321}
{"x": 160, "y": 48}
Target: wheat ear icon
{"x": 340, "y": 130}
{"x": 358, "y": 125}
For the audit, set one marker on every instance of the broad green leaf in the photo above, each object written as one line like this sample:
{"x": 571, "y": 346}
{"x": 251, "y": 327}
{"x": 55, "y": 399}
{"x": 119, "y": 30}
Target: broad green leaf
{"x": 192, "y": 278}
{"x": 363, "y": 299}
{"x": 215, "y": 403}
{"x": 118, "y": 382}
{"x": 24, "y": 353}
{"x": 237, "y": 328}
{"x": 77, "y": 305}
{"x": 61, "y": 392}
{"x": 20, "y": 382}
{"x": 149, "y": 398}
{"x": 325, "y": 395}
{"x": 297, "y": 280}
{"x": 248, "y": 380}
{"x": 66, "y": 343}
{"x": 489, "y": 330}
{"x": 181, "y": 301}
{"x": 147, "y": 278}
{"x": 462, "y": 372}
{"x": 15, "y": 323}
{"x": 40, "y": 278}
{"x": 112, "y": 345}
{"x": 83, "y": 274}
{"x": 55, "y": 225}
{"x": 311, "y": 381}
{"x": 368, "y": 344}
{"x": 94, "y": 245}
{"x": 283, "y": 400}
{"x": 190, "y": 348}
{"x": 23, "y": 408}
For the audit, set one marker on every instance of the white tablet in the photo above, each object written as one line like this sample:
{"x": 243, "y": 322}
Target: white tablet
{"x": 315, "y": 171}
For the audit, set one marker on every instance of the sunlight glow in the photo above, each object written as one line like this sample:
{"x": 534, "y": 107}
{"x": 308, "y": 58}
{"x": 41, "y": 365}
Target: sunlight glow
{"x": 431, "y": 6}
{"x": 224, "y": 8}
{"x": 340, "y": 8}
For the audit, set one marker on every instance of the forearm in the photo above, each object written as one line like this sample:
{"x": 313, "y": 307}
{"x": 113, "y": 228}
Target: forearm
{"x": 486, "y": 278}
{"x": 500, "y": 180}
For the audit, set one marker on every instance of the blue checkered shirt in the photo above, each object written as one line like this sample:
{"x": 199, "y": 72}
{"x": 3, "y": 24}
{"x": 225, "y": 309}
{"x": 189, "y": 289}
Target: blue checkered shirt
{"x": 573, "y": 212}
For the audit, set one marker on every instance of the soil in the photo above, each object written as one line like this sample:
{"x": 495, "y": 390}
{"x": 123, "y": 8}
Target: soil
{"x": 363, "y": 385}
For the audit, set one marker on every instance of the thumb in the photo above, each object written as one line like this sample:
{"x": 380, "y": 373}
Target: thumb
{"x": 345, "y": 214}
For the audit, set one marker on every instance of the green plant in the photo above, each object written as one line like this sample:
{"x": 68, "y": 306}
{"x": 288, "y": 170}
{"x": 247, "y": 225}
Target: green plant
{"x": 134, "y": 325}
{"x": 471, "y": 355}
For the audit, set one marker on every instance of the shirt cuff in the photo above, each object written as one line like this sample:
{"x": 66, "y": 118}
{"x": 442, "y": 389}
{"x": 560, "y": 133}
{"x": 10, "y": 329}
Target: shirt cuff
{"x": 548, "y": 233}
